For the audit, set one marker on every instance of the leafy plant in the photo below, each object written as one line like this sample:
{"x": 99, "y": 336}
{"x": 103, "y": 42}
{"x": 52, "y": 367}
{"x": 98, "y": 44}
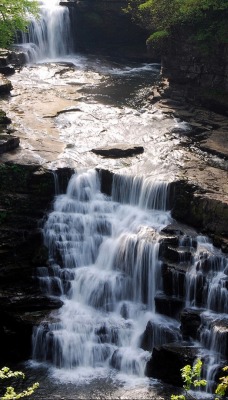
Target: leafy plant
{"x": 207, "y": 18}
{"x": 14, "y": 16}
{"x": 191, "y": 378}
{"x": 10, "y": 394}
{"x": 222, "y": 388}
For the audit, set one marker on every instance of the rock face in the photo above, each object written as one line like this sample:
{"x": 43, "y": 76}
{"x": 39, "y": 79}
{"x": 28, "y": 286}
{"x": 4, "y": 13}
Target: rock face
{"x": 167, "y": 361}
{"x": 201, "y": 75}
{"x": 26, "y": 195}
{"x": 5, "y": 85}
{"x": 185, "y": 62}
{"x": 102, "y": 26}
{"x": 8, "y": 143}
{"x": 202, "y": 210}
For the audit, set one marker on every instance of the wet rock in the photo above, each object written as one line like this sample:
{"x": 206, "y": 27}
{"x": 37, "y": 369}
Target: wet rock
{"x": 168, "y": 305}
{"x": 176, "y": 254}
{"x": 173, "y": 277}
{"x": 166, "y": 362}
{"x": 5, "y": 85}
{"x": 29, "y": 302}
{"x": 26, "y": 194}
{"x": 190, "y": 323}
{"x": 106, "y": 181}
{"x": 215, "y": 331}
{"x": 7, "y": 70}
{"x": 179, "y": 229}
{"x": 8, "y": 143}
{"x": 204, "y": 210}
{"x": 216, "y": 143}
{"x": 12, "y": 58}
{"x": 4, "y": 120}
{"x": 119, "y": 150}
{"x": 154, "y": 332}
{"x": 16, "y": 332}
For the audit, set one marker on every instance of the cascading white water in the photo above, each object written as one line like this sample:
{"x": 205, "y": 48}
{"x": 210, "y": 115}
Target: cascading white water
{"x": 108, "y": 277}
{"x": 48, "y": 36}
{"x": 104, "y": 263}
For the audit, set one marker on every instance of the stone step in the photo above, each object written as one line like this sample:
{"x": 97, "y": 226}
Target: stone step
{"x": 168, "y": 305}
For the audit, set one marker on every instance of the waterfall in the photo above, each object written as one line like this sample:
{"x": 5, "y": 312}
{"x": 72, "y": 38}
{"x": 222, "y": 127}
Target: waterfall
{"x": 104, "y": 264}
{"x": 48, "y": 36}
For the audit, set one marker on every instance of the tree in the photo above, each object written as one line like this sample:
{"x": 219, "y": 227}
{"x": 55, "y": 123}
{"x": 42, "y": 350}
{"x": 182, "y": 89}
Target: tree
{"x": 207, "y": 17}
{"x": 14, "y": 16}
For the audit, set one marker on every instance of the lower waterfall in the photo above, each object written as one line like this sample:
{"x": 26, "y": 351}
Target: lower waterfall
{"x": 105, "y": 261}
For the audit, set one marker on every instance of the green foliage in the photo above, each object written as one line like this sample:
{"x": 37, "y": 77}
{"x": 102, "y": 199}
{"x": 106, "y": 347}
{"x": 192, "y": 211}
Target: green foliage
{"x": 10, "y": 394}
{"x": 14, "y": 16}
{"x": 156, "y": 38}
{"x": 208, "y": 18}
{"x": 191, "y": 378}
{"x": 222, "y": 388}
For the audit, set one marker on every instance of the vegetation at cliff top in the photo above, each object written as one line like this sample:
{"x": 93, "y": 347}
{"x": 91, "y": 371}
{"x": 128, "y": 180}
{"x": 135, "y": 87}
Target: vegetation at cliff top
{"x": 161, "y": 17}
{"x": 14, "y": 16}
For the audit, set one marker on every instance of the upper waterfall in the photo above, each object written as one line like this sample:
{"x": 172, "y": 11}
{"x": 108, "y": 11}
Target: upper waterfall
{"x": 48, "y": 36}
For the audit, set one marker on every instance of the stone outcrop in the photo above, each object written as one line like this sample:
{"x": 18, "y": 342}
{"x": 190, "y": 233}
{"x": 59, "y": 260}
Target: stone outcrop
{"x": 191, "y": 205}
{"x": 119, "y": 150}
{"x": 103, "y": 27}
{"x": 166, "y": 362}
{"x": 5, "y": 85}
{"x": 11, "y": 59}
{"x": 203, "y": 72}
{"x": 8, "y": 143}
{"x": 27, "y": 193}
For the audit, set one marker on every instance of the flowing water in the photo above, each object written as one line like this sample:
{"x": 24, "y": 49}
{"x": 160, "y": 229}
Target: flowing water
{"x": 104, "y": 251}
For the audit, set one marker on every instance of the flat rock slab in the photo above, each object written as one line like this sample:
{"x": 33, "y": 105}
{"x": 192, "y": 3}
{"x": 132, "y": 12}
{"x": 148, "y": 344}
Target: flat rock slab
{"x": 119, "y": 150}
{"x": 8, "y": 143}
{"x": 216, "y": 143}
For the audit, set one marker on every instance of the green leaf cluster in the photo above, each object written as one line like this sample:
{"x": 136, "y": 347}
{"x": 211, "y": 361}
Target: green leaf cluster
{"x": 222, "y": 388}
{"x": 207, "y": 17}
{"x": 10, "y": 393}
{"x": 14, "y": 16}
{"x": 191, "y": 378}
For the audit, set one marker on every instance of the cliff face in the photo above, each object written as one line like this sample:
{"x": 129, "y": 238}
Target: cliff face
{"x": 203, "y": 71}
{"x": 102, "y": 26}
{"x": 26, "y": 195}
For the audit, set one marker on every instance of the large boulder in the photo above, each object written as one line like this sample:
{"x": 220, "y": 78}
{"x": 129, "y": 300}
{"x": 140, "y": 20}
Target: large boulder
{"x": 167, "y": 360}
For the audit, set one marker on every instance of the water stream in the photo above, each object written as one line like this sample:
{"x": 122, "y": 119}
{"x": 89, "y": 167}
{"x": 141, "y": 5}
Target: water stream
{"x": 104, "y": 251}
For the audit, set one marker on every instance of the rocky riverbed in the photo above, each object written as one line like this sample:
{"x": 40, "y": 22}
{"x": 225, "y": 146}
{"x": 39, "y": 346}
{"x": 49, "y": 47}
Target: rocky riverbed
{"x": 63, "y": 118}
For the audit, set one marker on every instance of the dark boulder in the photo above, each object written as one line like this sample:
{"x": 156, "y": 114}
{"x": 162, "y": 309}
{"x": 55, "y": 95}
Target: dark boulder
{"x": 119, "y": 150}
{"x": 190, "y": 323}
{"x": 5, "y": 85}
{"x": 167, "y": 360}
{"x": 156, "y": 332}
{"x": 168, "y": 305}
{"x": 8, "y": 143}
